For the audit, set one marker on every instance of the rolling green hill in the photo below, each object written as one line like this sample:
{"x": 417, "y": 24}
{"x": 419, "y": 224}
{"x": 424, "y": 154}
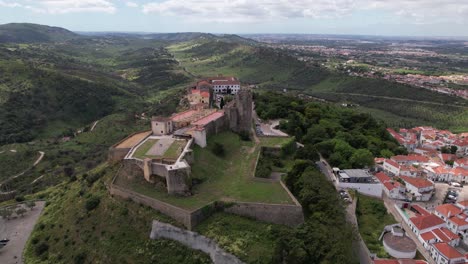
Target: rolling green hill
{"x": 397, "y": 104}
{"x": 33, "y": 33}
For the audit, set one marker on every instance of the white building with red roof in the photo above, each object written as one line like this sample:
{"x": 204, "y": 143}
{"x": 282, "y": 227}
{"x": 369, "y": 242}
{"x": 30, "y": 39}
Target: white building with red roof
{"x": 462, "y": 162}
{"x": 393, "y": 189}
{"x": 439, "y": 235}
{"x": 420, "y": 188}
{"x": 425, "y": 223}
{"x": 410, "y": 159}
{"x": 455, "y": 217}
{"x": 399, "y": 261}
{"x": 440, "y": 173}
{"x": 443, "y": 253}
{"x": 391, "y": 167}
{"x": 410, "y": 171}
{"x": 462, "y": 146}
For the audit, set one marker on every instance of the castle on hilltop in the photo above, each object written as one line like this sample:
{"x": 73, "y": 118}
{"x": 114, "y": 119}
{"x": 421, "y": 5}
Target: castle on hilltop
{"x": 165, "y": 151}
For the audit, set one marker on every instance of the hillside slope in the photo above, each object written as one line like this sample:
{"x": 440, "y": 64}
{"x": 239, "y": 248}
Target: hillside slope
{"x": 33, "y": 33}
{"x": 398, "y": 104}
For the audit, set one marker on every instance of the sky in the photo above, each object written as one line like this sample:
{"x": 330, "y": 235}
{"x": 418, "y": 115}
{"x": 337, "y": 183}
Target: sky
{"x": 360, "y": 17}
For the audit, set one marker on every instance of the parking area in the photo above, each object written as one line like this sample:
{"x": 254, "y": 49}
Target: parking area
{"x": 17, "y": 230}
{"x": 441, "y": 190}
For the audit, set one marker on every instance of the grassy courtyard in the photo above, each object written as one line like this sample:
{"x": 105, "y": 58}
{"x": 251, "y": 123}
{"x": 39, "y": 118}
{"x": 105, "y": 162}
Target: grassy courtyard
{"x": 227, "y": 178}
{"x": 172, "y": 152}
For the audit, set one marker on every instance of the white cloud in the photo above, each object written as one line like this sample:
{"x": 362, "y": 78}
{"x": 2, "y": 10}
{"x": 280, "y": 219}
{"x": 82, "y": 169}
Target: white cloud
{"x": 10, "y": 4}
{"x": 67, "y": 6}
{"x": 131, "y": 4}
{"x": 414, "y": 11}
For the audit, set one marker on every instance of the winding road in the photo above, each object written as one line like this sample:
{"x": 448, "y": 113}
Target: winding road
{"x": 39, "y": 159}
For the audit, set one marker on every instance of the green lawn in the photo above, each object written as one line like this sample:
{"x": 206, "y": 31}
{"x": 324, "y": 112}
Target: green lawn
{"x": 252, "y": 241}
{"x": 226, "y": 178}
{"x": 172, "y": 152}
{"x": 175, "y": 149}
{"x": 372, "y": 218}
{"x": 140, "y": 153}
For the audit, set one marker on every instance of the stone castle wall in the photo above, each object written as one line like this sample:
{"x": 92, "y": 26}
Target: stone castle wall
{"x": 180, "y": 215}
{"x": 194, "y": 241}
{"x": 284, "y": 214}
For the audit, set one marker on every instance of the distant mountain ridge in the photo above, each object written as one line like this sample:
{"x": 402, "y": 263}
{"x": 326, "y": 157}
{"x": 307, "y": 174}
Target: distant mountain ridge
{"x": 33, "y": 33}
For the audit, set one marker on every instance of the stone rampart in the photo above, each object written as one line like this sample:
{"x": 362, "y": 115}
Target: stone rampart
{"x": 283, "y": 214}
{"x": 194, "y": 241}
{"x": 180, "y": 215}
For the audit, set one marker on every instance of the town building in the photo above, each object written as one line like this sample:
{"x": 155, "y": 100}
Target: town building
{"x": 443, "y": 253}
{"x": 391, "y": 188}
{"x": 355, "y": 176}
{"x": 421, "y": 189}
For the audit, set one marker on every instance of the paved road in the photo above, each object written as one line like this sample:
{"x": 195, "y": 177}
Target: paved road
{"x": 18, "y": 231}
{"x": 364, "y": 256}
{"x": 391, "y": 208}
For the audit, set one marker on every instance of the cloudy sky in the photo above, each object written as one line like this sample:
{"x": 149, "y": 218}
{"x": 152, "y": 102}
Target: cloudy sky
{"x": 375, "y": 17}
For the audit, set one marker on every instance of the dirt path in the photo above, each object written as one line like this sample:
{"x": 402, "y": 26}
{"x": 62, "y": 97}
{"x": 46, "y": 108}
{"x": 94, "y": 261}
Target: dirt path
{"x": 41, "y": 156}
{"x": 18, "y": 231}
{"x": 94, "y": 126}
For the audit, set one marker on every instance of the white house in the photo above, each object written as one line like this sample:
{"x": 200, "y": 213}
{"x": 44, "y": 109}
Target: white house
{"x": 421, "y": 189}
{"x": 443, "y": 253}
{"x": 393, "y": 189}
{"x": 439, "y": 235}
{"x": 455, "y": 218}
{"x": 425, "y": 223}
{"x": 391, "y": 167}
{"x": 409, "y": 171}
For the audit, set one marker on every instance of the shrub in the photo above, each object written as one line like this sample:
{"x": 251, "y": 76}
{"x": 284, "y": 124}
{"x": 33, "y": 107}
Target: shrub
{"x": 244, "y": 136}
{"x": 19, "y": 198}
{"x": 80, "y": 258}
{"x": 218, "y": 149}
{"x": 92, "y": 202}
{"x": 41, "y": 248}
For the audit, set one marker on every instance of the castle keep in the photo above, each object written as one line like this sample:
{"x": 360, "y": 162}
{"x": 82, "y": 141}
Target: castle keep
{"x": 165, "y": 153}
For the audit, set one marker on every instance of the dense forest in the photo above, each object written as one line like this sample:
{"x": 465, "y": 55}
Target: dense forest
{"x": 346, "y": 138}
{"x": 325, "y": 237}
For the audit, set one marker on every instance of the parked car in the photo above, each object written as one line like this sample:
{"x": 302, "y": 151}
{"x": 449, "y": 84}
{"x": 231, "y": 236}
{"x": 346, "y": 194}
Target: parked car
{"x": 455, "y": 184}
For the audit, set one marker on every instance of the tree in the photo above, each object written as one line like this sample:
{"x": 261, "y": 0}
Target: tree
{"x": 453, "y": 149}
{"x": 362, "y": 158}
{"x": 30, "y": 204}
{"x": 445, "y": 150}
{"x": 308, "y": 152}
{"x": 386, "y": 153}
{"x": 218, "y": 149}
{"x": 6, "y": 213}
{"x": 221, "y": 104}
{"x": 92, "y": 202}
{"x": 20, "y": 211}
{"x": 69, "y": 171}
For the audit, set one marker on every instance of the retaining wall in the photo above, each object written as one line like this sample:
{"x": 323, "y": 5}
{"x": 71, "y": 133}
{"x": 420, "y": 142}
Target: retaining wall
{"x": 284, "y": 214}
{"x": 369, "y": 189}
{"x": 180, "y": 215}
{"x": 194, "y": 241}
